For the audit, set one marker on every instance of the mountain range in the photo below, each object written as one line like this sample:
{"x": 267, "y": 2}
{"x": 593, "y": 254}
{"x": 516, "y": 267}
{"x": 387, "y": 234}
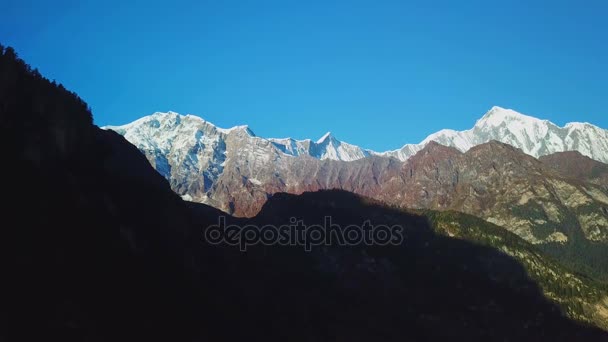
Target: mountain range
{"x": 534, "y": 136}
{"x": 490, "y": 171}
{"x": 235, "y": 170}
{"x": 192, "y": 153}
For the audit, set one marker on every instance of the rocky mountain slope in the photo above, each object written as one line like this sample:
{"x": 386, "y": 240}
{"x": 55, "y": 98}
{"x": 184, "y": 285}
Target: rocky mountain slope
{"x": 574, "y": 165}
{"x": 501, "y": 184}
{"x": 494, "y": 181}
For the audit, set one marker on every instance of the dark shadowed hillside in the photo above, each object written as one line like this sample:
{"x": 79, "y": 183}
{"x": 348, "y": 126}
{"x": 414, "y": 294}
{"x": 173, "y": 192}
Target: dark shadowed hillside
{"x": 95, "y": 243}
{"x": 95, "y": 246}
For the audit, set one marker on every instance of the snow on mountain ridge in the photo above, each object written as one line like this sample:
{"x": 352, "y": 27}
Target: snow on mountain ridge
{"x": 324, "y": 137}
{"x": 193, "y": 153}
{"x": 534, "y": 136}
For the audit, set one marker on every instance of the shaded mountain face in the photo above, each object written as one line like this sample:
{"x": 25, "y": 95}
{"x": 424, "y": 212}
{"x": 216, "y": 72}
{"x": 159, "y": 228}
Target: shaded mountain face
{"x": 573, "y": 165}
{"x": 97, "y": 247}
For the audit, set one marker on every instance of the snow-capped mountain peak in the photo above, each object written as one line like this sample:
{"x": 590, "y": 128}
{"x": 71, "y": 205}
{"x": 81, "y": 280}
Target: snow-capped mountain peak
{"x": 534, "y": 136}
{"x": 498, "y": 116}
{"x": 325, "y": 138}
{"x": 178, "y": 135}
{"x": 192, "y": 153}
{"x": 241, "y": 128}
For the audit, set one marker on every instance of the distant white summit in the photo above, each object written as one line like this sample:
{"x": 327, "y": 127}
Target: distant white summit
{"x": 534, "y": 136}
{"x": 325, "y": 137}
{"x": 177, "y": 137}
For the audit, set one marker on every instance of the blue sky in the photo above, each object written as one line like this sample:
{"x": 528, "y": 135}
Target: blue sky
{"x": 376, "y": 73}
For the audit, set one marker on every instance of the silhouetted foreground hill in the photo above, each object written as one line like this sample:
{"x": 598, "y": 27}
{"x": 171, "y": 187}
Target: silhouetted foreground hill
{"x": 95, "y": 243}
{"x": 95, "y": 246}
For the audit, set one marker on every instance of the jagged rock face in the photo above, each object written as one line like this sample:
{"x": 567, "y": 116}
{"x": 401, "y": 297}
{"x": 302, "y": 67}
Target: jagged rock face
{"x": 242, "y": 190}
{"x": 186, "y": 150}
{"x": 501, "y": 184}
